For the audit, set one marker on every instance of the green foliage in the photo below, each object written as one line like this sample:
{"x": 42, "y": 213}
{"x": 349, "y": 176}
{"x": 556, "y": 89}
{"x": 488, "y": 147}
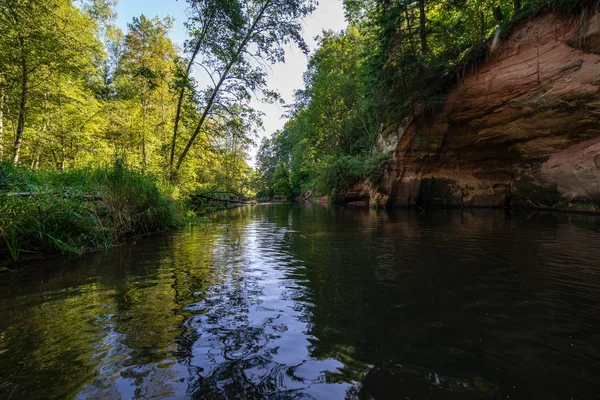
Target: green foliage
{"x": 281, "y": 182}
{"x": 373, "y": 171}
{"x": 12, "y": 243}
{"x": 330, "y": 123}
{"x": 338, "y": 173}
{"x": 566, "y": 6}
{"x": 81, "y": 209}
{"x": 77, "y": 92}
{"x": 457, "y": 34}
{"x": 397, "y": 58}
{"x": 235, "y": 57}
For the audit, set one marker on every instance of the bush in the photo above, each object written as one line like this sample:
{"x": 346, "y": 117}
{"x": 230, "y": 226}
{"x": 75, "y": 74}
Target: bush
{"x": 373, "y": 171}
{"x": 281, "y": 182}
{"x": 339, "y": 172}
{"x": 265, "y": 193}
{"x": 79, "y": 210}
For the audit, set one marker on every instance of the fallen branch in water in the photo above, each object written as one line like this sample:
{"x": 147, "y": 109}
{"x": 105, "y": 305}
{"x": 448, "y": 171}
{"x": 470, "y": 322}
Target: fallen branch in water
{"x": 222, "y": 200}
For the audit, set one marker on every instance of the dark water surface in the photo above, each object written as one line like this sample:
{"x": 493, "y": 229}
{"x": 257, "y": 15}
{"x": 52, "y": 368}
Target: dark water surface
{"x": 309, "y": 302}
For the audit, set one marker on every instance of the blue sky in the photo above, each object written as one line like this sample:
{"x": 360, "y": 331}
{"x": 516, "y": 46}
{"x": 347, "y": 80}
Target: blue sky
{"x": 329, "y": 15}
{"x": 127, "y": 9}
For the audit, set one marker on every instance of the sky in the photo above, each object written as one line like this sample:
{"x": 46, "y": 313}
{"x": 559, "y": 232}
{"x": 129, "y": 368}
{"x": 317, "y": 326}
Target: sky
{"x": 285, "y": 78}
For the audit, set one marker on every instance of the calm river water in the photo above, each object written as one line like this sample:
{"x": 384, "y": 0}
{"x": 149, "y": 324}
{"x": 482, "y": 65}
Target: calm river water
{"x": 294, "y": 302}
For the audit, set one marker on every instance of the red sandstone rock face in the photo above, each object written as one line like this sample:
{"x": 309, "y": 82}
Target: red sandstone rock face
{"x": 524, "y": 126}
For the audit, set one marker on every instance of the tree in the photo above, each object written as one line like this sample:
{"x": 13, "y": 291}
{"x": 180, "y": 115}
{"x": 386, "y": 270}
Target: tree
{"x": 267, "y": 160}
{"x": 47, "y": 38}
{"x": 209, "y": 17}
{"x": 2, "y": 97}
{"x": 329, "y": 121}
{"x": 144, "y": 77}
{"x": 76, "y": 91}
{"x": 396, "y": 58}
{"x": 236, "y": 60}
{"x": 281, "y": 181}
{"x": 104, "y": 16}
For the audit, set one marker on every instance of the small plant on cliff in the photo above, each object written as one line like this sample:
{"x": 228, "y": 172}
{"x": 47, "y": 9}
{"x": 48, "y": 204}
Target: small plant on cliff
{"x": 373, "y": 167}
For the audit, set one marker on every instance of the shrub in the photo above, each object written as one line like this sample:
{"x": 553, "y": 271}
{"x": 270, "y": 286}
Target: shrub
{"x": 373, "y": 171}
{"x": 339, "y": 172}
{"x": 281, "y": 182}
{"x": 80, "y": 210}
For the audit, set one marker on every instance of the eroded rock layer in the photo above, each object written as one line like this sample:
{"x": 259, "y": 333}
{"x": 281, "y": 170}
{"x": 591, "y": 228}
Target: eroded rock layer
{"x": 523, "y": 128}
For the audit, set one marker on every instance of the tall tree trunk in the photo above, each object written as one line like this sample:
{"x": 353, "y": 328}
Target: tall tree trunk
{"x": 63, "y": 155}
{"x": 188, "y": 68}
{"x": 144, "y": 111}
{"x": 180, "y": 102}
{"x": 207, "y": 109}
{"x": 217, "y": 87}
{"x": 422, "y": 27}
{"x": 23, "y": 103}
{"x": 410, "y": 34}
{"x": 35, "y": 161}
{"x": 482, "y": 24}
{"x": 162, "y": 113}
{"x": 498, "y": 14}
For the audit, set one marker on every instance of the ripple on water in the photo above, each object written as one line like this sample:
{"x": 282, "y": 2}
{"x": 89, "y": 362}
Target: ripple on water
{"x": 316, "y": 302}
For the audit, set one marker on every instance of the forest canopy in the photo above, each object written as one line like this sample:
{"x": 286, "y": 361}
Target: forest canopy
{"x": 397, "y": 58}
{"x": 76, "y": 91}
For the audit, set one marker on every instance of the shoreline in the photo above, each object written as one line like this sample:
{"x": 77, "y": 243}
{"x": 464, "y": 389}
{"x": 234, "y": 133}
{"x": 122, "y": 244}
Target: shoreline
{"x": 33, "y": 257}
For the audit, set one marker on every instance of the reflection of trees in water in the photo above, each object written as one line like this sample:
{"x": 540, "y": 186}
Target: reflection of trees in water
{"x": 105, "y": 314}
{"x": 150, "y": 314}
{"x": 53, "y": 324}
{"x": 289, "y": 301}
{"x": 252, "y": 329}
{"x": 425, "y": 307}
{"x": 48, "y": 341}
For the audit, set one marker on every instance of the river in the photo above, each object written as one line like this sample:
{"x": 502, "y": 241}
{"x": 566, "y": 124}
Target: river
{"x": 316, "y": 302}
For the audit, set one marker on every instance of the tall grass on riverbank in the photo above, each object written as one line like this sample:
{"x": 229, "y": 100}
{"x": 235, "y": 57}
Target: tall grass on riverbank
{"x": 79, "y": 210}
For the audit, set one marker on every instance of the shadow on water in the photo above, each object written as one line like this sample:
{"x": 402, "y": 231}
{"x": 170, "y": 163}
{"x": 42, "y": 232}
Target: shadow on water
{"x": 315, "y": 302}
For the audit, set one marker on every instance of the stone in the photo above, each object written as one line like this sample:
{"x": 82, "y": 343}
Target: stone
{"x": 523, "y": 128}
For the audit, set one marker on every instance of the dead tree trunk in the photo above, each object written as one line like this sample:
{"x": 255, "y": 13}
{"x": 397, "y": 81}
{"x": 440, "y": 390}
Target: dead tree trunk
{"x": 22, "y": 104}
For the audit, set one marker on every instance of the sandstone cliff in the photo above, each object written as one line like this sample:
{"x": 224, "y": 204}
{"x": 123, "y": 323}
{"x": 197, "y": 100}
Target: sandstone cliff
{"x": 523, "y": 128}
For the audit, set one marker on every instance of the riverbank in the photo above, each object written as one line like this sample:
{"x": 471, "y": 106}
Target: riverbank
{"x": 43, "y": 213}
{"x": 494, "y": 303}
{"x": 364, "y": 203}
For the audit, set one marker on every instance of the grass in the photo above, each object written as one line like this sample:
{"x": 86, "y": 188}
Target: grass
{"x": 582, "y": 205}
{"x": 80, "y": 210}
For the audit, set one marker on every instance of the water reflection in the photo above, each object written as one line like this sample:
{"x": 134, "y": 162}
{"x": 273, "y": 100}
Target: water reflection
{"x": 315, "y": 302}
